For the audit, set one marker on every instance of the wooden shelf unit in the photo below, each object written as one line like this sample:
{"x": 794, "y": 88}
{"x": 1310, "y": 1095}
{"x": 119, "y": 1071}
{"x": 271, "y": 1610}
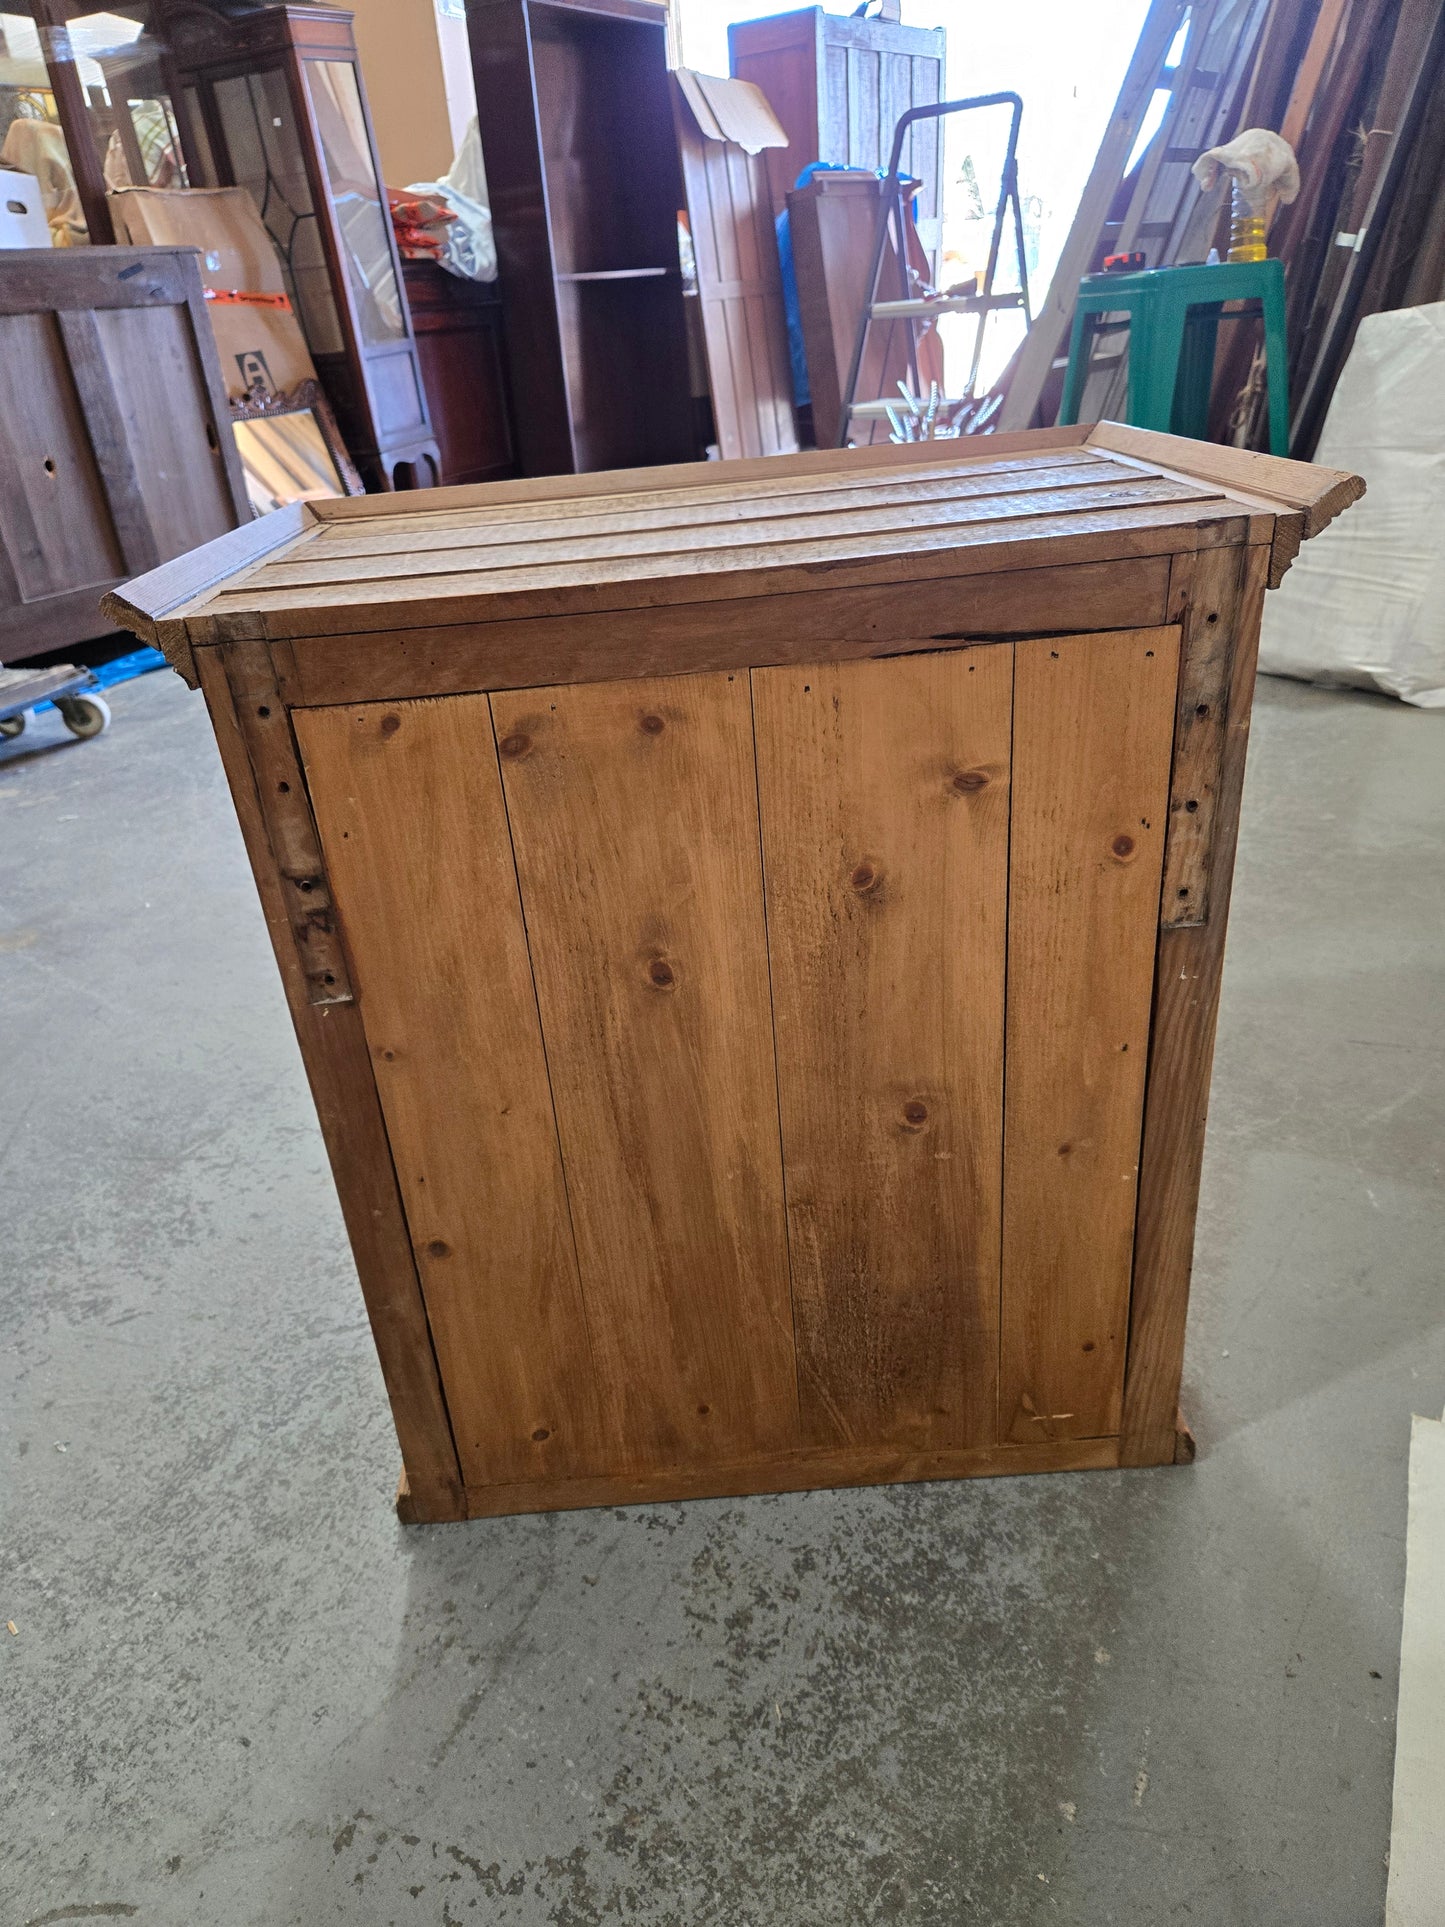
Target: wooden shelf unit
{"x": 577, "y": 135}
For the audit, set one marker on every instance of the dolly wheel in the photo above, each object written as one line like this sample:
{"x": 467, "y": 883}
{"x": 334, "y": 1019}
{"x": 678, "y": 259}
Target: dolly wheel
{"x": 12, "y": 725}
{"x": 84, "y": 715}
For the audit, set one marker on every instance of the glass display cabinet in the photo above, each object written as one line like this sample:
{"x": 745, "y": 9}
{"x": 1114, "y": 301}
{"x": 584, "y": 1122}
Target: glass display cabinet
{"x": 86, "y": 104}
{"x": 271, "y": 99}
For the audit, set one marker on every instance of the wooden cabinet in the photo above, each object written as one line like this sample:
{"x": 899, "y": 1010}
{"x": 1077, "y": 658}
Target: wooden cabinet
{"x": 458, "y": 329}
{"x": 582, "y": 167}
{"x": 115, "y": 445}
{"x": 839, "y": 84}
{"x": 755, "y": 934}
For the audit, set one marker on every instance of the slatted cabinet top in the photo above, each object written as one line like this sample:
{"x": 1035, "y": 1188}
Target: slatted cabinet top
{"x": 645, "y": 538}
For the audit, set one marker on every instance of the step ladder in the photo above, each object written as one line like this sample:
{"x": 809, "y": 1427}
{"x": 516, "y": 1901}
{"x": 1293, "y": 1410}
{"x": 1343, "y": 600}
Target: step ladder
{"x": 910, "y": 308}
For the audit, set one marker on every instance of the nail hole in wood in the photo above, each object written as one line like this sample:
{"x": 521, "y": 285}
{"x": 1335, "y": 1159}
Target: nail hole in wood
{"x": 1201, "y": 709}
{"x": 1184, "y": 891}
{"x": 328, "y": 978}
{"x": 50, "y": 465}
{"x": 262, "y": 709}
{"x": 1213, "y": 616}
{"x": 284, "y": 788}
{"x": 1192, "y": 805}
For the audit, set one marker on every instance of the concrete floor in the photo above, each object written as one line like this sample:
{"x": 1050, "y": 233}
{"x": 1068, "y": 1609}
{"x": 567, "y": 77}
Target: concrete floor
{"x": 241, "y": 1693}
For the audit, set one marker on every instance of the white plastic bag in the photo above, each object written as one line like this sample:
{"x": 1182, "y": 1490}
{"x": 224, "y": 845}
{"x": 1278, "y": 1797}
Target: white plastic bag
{"x": 1364, "y": 602}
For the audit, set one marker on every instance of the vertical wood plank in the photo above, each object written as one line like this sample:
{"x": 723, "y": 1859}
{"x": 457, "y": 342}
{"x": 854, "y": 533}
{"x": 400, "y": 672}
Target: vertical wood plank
{"x": 106, "y": 424}
{"x": 334, "y": 1051}
{"x": 884, "y": 794}
{"x": 1093, "y": 727}
{"x": 633, "y": 809}
{"x": 409, "y": 804}
{"x": 1181, "y": 1051}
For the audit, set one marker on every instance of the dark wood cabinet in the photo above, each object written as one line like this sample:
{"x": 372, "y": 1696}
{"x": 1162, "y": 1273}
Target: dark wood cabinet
{"x": 116, "y": 452}
{"x": 458, "y": 329}
{"x": 577, "y": 134}
{"x": 273, "y": 101}
{"x": 839, "y": 85}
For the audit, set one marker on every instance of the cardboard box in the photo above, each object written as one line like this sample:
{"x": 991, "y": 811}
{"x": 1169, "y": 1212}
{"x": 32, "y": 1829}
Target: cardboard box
{"x": 262, "y": 348}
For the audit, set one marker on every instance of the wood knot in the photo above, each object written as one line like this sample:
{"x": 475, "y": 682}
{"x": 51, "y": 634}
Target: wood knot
{"x": 517, "y": 745}
{"x": 542, "y": 1432}
{"x": 1122, "y": 846}
{"x": 915, "y": 1113}
{"x": 653, "y": 725}
{"x": 390, "y": 725}
{"x": 659, "y": 972}
{"x": 864, "y": 879}
{"x": 439, "y": 1248}
{"x": 970, "y": 779}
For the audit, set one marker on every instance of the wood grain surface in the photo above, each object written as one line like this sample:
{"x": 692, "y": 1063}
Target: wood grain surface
{"x": 1188, "y": 974}
{"x": 409, "y": 804}
{"x": 884, "y": 797}
{"x": 633, "y": 809}
{"x": 1093, "y": 723}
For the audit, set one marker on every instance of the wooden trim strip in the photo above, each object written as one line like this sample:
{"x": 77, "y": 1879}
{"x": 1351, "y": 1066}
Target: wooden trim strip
{"x": 148, "y": 606}
{"x": 1176, "y": 1099}
{"x": 285, "y": 808}
{"x": 1305, "y": 496}
{"x": 338, "y": 1067}
{"x": 692, "y": 638}
{"x": 1204, "y": 596}
{"x": 105, "y": 425}
{"x": 796, "y": 1471}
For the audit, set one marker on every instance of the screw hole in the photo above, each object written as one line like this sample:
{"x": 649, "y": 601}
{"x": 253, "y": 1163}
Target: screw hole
{"x": 1201, "y": 709}
{"x": 1213, "y": 616}
{"x": 1192, "y": 805}
{"x": 50, "y": 465}
{"x": 284, "y": 788}
{"x": 1184, "y": 892}
{"x": 328, "y": 978}
{"x": 262, "y": 710}
{"x": 1148, "y": 652}
{"x": 807, "y": 688}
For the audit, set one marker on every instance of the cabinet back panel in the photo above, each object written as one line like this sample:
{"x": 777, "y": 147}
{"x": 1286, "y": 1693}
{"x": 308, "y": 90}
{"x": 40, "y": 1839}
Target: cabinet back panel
{"x": 884, "y": 789}
{"x": 1093, "y": 731}
{"x": 633, "y": 810}
{"x": 409, "y": 805}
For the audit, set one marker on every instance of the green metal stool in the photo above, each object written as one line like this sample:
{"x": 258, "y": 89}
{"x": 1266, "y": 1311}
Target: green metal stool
{"x": 1173, "y": 320}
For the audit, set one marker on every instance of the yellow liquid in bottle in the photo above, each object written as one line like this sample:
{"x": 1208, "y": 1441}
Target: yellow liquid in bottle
{"x": 1246, "y": 231}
